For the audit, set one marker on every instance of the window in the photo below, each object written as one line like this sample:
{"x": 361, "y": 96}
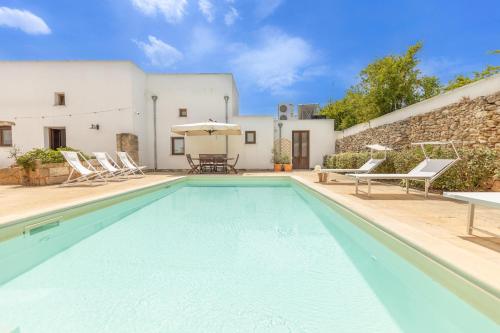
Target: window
{"x": 183, "y": 112}
{"x": 6, "y": 136}
{"x": 177, "y": 145}
{"x": 60, "y": 99}
{"x": 250, "y": 137}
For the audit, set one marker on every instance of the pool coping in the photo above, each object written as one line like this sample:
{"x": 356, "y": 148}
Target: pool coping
{"x": 465, "y": 267}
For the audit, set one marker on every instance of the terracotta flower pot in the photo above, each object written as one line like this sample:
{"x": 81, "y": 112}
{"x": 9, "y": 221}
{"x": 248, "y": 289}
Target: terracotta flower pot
{"x": 322, "y": 177}
{"x": 288, "y": 167}
{"x": 277, "y": 167}
{"x": 496, "y": 185}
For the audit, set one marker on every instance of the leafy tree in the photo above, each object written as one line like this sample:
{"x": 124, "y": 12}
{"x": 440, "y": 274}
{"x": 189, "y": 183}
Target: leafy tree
{"x": 462, "y": 80}
{"x": 345, "y": 110}
{"x": 387, "y": 84}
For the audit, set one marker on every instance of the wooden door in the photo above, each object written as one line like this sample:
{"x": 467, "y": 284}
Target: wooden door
{"x": 57, "y": 138}
{"x": 300, "y": 149}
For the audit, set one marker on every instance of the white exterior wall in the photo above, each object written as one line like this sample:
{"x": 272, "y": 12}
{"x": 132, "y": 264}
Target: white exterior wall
{"x": 258, "y": 155}
{"x": 321, "y": 136}
{"x": 140, "y": 116}
{"x": 28, "y": 88}
{"x": 203, "y": 97}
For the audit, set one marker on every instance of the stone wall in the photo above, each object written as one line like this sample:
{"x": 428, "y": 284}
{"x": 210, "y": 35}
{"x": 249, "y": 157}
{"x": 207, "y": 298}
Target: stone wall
{"x": 129, "y": 143}
{"x": 43, "y": 174}
{"x": 469, "y": 123}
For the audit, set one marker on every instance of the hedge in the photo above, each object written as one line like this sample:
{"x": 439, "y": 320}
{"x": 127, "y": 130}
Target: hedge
{"x": 45, "y": 155}
{"x": 474, "y": 171}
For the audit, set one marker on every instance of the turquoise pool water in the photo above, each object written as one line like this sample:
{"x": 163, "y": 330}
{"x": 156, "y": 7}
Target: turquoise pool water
{"x": 196, "y": 257}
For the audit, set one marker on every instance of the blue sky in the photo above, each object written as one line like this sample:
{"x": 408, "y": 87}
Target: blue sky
{"x": 293, "y": 51}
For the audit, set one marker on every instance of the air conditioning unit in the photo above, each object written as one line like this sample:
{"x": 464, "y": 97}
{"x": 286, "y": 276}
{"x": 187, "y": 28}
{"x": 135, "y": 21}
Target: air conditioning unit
{"x": 285, "y": 111}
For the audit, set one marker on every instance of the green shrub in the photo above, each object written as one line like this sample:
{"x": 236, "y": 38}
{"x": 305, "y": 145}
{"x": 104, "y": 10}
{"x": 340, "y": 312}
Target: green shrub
{"x": 45, "y": 155}
{"x": 472, "y": 172}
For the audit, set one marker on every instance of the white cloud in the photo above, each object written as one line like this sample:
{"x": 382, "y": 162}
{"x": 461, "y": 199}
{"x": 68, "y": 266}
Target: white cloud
{"x": 207, "y": 8}
{"x": 266, "y": 7}
{"x": 277, "y": 62}
{"x": 160, "y": 53}
{"x": 23, "y": 20}
{"x": 172, "y": 10}
{"x": 203, "y": 42}
{"x": 231, "y": 16}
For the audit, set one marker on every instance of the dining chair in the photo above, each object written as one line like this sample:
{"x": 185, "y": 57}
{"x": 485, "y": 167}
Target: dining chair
{"x": 232, "y": 167}
{"x": 206, "y": 162}
{"x": 220, "y": 163}
{"x": 195, "y": 168}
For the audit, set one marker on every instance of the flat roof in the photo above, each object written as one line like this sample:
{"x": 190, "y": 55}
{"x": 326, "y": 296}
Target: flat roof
{"x": 118, "y": 61}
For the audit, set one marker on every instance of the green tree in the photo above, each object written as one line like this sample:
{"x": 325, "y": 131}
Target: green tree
{"x": 462, "y": 80}
{"x": 387, "y": 84}
{"x": 345, "y": 110}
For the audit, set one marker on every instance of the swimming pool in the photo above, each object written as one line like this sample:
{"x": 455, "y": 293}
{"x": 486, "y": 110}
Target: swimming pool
{"x": 219, "y": 256}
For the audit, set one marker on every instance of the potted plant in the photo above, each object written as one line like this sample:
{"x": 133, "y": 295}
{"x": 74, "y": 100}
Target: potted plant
{"x": 277, "y": 161}
{"x": 286, "y": 163}
{"x": 281, "y": 162}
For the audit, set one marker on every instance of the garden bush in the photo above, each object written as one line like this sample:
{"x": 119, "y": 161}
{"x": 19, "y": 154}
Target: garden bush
{"x": 476, "y": 168}
{"x": 45, "y": 155}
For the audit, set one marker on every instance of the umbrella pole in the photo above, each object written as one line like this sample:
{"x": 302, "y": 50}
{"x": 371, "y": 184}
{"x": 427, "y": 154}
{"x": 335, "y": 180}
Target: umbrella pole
{"x": 226, "y": 99}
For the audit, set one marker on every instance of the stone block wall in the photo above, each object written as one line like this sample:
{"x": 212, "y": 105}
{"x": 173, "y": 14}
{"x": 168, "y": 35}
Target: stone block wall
{"x": 43, "y": 174}
{"x": 129, "y": 143}
{"x": 468, "y": 123}
{"x": 11, "y": 176}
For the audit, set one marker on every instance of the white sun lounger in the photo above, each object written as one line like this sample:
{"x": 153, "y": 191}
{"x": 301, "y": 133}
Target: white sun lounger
{"x": 427, "y": 171}
{"x": 370, "y": 165}
{"x": 489, "y": 199}
{"x": 87, "y": 173}
{"x": 129, "y": 164}
{"x": 108, "y": 164}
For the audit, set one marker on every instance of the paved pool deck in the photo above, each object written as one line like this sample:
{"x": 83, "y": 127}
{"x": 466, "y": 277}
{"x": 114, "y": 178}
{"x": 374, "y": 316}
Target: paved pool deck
{"x": 436, "y": 224}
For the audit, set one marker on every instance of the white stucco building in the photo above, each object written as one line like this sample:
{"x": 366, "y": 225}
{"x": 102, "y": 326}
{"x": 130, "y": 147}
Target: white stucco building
{"x": 60, "y": 103}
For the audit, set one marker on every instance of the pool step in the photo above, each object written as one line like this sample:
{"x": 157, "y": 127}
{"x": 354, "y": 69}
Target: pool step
{"x": 9, "y": 329}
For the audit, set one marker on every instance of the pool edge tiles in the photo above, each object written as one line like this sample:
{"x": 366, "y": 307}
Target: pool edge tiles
{"x": 473, "y": 291}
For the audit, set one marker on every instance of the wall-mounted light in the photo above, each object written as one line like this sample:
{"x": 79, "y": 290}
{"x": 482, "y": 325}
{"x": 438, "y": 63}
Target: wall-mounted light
{"x": 94, "y": 126}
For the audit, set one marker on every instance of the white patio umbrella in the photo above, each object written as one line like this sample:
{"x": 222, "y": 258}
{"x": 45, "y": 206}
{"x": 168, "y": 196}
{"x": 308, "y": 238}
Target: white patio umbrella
{"x": 6, "y": 123}
{"x": 207, "y": 128}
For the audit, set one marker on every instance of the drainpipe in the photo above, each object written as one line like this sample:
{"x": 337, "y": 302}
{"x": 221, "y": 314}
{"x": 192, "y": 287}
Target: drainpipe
{"x": 280, "y": 125}
{"x": 155, "y": 98}
{"x": 226, "y": 99}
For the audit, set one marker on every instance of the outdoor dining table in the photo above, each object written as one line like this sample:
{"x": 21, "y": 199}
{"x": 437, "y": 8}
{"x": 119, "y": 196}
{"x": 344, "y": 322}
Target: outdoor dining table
{"x": 212, "y": 162}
